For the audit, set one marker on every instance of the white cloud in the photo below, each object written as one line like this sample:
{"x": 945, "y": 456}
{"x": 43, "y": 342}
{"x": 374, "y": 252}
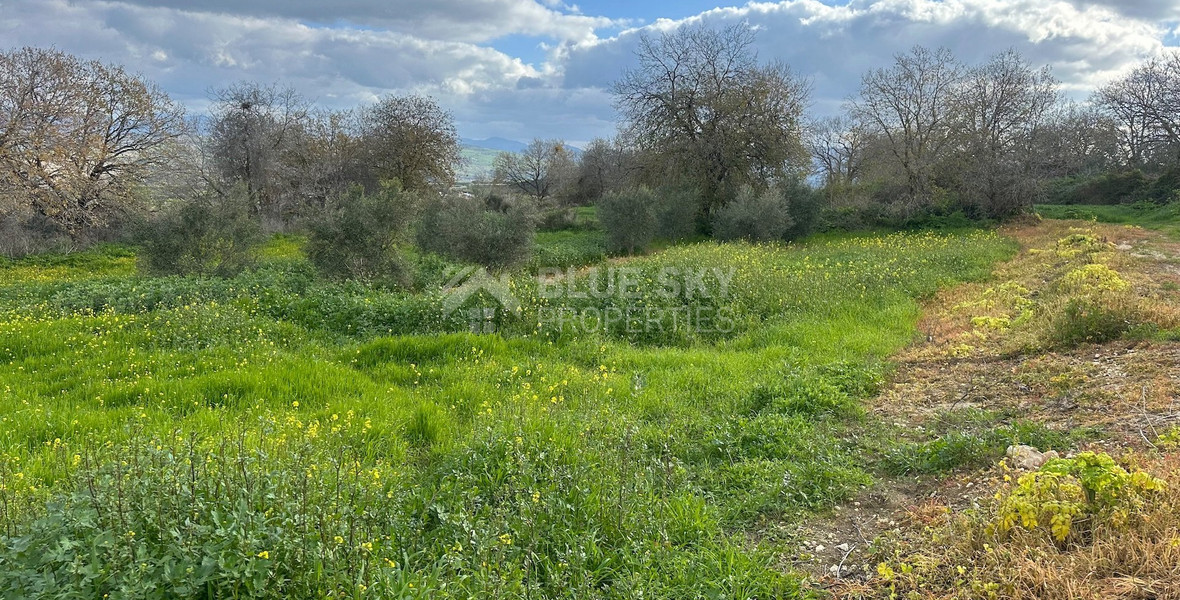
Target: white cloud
{"x": 189, "y": 52}
{"x": 351, "y": 51}
{"x": 834, "y": 45}
{"x": 454, "y": 20}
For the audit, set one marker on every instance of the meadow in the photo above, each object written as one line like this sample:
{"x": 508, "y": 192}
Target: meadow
{"x": 276, "y": 435}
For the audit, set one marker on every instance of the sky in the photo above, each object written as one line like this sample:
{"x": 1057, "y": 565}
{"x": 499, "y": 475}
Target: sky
{"x": 522, "y": 69}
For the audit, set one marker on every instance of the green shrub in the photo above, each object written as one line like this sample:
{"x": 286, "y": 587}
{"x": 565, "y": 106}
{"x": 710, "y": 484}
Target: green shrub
{"x": 803, "y": 205}
{"x": 1074, "y": 496}
{"x": 464, "y": 229}
{"x": 629, "y": 219}
{"x": 556, "y": 218}
{"x": 677, "y": 211}
{"x": 358, "y": 237}
{"x": 207, "y": 235}
{"x": 1166, "y": 188}
{"x": 1122, "y": 187}
{"x": 754, "y": 216}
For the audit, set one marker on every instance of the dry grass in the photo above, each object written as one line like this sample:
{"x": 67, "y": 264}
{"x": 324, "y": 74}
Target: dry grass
{"x": 940, "y": 554}
{"x": 1006, "y": 346}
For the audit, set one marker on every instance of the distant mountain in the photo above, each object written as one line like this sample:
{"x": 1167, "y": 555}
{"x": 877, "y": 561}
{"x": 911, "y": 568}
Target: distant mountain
{"x": 495, "y": 143}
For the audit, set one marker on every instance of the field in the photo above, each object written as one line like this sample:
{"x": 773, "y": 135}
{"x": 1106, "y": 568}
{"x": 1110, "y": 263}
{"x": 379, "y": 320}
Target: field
{"x": 274, "y": 435}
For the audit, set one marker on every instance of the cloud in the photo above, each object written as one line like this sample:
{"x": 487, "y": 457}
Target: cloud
{"x": 1152, "y": 10}
{"x": 349, "y": 52}
{"x": 834, "y": 45}
{"x": 188, "y": 52}
{"x": 454, "y": 20}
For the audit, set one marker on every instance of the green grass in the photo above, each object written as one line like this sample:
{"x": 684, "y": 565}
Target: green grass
{"x": 574, "y": 247}
{"x": 972, "y": 438}
{"x": 478, "y": 163}
{"x": 1150, "y": 216}
{"x": 266, "y": 436}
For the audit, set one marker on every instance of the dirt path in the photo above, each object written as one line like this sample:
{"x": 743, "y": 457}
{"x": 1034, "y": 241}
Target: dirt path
{"x": 972, "y": 362}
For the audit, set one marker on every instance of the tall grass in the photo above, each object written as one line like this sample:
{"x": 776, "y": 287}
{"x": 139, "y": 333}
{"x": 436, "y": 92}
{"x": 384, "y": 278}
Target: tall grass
{"x": 267, "y": 435}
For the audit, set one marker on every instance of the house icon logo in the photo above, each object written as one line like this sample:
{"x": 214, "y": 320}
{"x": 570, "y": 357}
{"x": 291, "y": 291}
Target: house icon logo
{"x": 464, "y": 283}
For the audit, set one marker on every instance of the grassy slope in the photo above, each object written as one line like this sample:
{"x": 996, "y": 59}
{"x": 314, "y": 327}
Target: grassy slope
{"x": 568, "y": 465}
{"x": 477, "y": 163}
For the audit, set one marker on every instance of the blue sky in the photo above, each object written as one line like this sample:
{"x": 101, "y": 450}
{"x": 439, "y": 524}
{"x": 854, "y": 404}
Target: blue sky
{"x": 542, "y": 68}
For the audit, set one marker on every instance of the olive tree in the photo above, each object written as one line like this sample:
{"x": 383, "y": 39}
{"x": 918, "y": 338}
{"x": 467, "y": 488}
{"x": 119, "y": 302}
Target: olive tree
{"x": 411, "y": 140}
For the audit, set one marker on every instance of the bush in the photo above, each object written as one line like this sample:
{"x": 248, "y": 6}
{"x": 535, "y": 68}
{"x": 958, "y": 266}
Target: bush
{"x": 629, "y": 219}
{"x": 209, "y": 235}
{"x": 1166, "y": 188}
{"x": 803, "y": 205}
{"x": 22, "y": 235}
{"x": 464, "y": 229}
{"x": 1089, "y": 490}
{"x": 554, "y": 217}
{"x": 358, "y": 238}
{"x": 1124, "y": 187}
{"x": 753, "y": 216}
{"x": 676, "y": 211}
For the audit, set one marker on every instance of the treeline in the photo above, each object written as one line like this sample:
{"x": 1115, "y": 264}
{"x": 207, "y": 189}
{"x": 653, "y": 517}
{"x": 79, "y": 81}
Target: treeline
{"x": 709, "y": 131}
{"x": 712, "y": 142}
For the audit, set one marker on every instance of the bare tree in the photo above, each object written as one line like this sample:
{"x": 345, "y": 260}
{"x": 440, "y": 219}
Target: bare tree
{"x": 540, "y": 170}
{"x": 1078, "y": 140}
{"x": 1146, "y": 104}
{"x": 703, "y": 107}
{"x": 602, "y": 168}
{"x": 76, "y": 136}
{"x": 1003, "y": 104}
{"x": 911, "y": 105}
{"x": 333, "y": 157}
{"x": 255, "y": 140}
{"x": 411, "y": 140}
{"x": 837, "y": 145}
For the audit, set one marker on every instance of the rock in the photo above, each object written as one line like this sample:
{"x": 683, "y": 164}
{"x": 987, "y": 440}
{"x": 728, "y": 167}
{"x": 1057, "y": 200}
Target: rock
{"x": 1029, "y": 458}
{"x": 842, "y": 547}
{"x": 820, "y": 548}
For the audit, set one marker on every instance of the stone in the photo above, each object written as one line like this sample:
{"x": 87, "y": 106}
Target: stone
{"x": 1028, "y": 458}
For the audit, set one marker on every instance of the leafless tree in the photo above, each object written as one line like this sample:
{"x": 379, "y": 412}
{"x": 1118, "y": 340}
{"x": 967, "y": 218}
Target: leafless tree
{"x": 603, "y": 167}
{"x": 1146, "y": 103}
{"x": 77, "y": 137}
{"x": 1002, "y": 105}
{"x": 837, "y": 145}
{"x": 911, "y": 105}
{"x": 701, "y": 103}
{"x": 411, "y": 140}
{"x": 1078, "y": 140}
{"x": 256, "y": 140}
{"x": 540, "y": 170}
